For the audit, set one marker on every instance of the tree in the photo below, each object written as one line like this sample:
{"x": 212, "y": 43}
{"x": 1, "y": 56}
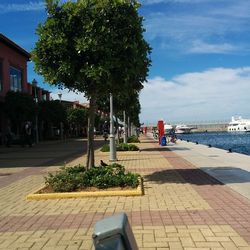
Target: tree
{"x": 52, "y": 111}
{"x": 94, "y": 47}
{"x": 77, "y": 117}
{"x": 120, "y": 102}
{"x": 19, "y": 107}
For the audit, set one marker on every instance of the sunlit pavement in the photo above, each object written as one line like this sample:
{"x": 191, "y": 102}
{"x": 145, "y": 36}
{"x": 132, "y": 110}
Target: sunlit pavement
{"x": 183, "y": 207}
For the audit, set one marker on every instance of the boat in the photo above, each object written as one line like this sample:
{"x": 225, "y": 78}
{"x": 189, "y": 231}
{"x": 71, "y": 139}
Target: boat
{"x": 238, "y": 124}
{"x": 183, "y": 129}
{"x": 168, "y": 129}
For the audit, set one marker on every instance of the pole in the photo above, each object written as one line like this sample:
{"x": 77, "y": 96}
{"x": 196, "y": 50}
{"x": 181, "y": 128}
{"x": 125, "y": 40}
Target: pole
{"x": 125, "y": 136}
{"x": 36, "y": 118}
{"x": 61, "y": 124}
{"x": 112, "y": 145}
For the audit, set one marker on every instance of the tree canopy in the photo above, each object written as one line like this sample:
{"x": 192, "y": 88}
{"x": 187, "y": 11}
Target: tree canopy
{"x": 95, "y": 47}
{"x": 92, "y": 46}
{"x": 19, "y": 107}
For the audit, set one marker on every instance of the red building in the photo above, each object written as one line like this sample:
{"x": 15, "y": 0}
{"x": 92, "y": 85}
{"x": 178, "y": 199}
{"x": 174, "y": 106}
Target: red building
{"x": 13, "y": 75}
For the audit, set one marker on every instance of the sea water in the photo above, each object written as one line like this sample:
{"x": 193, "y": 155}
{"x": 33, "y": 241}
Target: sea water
{"x": 237, "y": 142}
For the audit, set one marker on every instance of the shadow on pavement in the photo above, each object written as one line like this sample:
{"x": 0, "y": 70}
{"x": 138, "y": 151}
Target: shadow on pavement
{"x": 45, "y": 154}
{"x": 192, "y": 176}
{"x": 166, "y": 149}
{"x": 229, "y": 174}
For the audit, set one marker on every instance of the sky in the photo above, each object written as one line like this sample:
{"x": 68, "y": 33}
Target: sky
{"x": 200, "y": 68}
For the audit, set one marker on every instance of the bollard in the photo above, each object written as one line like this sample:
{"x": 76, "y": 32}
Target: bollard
{"x": 114, "y": 233}
{"x": 163, "y": 141}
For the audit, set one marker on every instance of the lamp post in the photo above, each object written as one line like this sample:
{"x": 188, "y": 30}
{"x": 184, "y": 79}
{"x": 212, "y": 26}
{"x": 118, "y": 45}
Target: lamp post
{"x": 112, "y": 145}
{"x": 125, "y": 137}
{"x": 61, "y": 124}
{"x": 34, "y": 84}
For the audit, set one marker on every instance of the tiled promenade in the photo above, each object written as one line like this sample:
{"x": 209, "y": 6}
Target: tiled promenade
{"x": 183, "y": 207}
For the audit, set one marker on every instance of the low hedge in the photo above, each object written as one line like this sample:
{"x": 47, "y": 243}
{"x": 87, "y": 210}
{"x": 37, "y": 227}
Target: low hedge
{"x": 133, "y": 139}
{"x": 78, "y": 177}
{"x": 121, "y": 147}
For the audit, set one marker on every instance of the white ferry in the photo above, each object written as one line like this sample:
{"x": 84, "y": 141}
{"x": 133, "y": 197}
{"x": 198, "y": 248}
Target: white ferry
{"x": 168, "y": 129}
{"x": 183, "y": 129}
{"x": 239, "y": 125}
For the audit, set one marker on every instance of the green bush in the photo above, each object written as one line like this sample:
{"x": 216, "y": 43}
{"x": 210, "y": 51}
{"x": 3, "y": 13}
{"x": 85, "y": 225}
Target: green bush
{"x": 133, "y": 139}
{"x": 121, "y": 147}
{"x": 126, "y": 147}
{"x": 71, "y": 179}
{"x": 105, "y": 148}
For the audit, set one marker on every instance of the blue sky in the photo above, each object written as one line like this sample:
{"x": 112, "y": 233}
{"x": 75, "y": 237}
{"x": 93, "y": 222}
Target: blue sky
{"x": 200, "y": 60}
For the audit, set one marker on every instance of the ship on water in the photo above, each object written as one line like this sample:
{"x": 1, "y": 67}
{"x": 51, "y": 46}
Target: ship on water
{"x": 238, "y": 124}
{"x": 183, "y": 129}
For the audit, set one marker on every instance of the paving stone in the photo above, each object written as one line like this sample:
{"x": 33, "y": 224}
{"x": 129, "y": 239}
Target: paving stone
{"x": 183, "y": 208}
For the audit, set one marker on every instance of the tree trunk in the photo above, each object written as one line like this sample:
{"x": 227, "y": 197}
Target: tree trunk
{"x": 91, "y": 122}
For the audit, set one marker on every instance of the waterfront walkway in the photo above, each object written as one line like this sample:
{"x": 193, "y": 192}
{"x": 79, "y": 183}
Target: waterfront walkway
{"x": 183, "y": 207}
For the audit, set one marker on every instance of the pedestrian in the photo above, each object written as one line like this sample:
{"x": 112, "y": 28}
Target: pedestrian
{"x": 28, "y": 133}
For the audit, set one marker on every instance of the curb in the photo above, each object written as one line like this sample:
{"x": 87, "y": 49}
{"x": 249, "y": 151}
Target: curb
{"x": 67, "y": 195}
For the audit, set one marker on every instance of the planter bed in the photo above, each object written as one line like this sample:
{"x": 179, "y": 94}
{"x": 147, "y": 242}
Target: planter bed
{"x": 46, "y": 192}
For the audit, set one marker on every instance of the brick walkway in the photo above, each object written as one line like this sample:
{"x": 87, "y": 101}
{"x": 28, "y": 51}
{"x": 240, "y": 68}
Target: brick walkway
{"x": 183, "y": 207}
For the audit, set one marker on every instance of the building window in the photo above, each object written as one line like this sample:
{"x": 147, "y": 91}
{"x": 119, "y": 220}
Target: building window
{"x": 15, "y": 79}
{"x": 1, "y": 76}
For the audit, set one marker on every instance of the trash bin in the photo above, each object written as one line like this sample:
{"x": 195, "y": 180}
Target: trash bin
{"x": 114, "y": 233}
{"x": 163, "y": 141}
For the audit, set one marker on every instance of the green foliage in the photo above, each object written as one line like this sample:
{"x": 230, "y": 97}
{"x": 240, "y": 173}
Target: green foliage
{"x": 68, "y": 179}
{"x": 133, "y": 139}
{"x": 105, "y": 148}
{"x": 77, "y": 116}
{"x": 92, "y": 46}
{"x": 126, "y": 147}
{"x": 52, "y": 111}
{"x": 19, "y": 107}
{"x": 74, "y": 178}
{"x": 121, "y": 147}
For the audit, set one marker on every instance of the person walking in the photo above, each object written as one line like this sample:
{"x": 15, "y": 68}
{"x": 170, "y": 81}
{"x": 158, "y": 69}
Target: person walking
{"x": 28, "y": 133}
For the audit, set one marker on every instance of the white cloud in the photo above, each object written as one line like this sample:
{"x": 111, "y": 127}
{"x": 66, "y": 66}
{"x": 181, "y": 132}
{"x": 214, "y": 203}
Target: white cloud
{"x": 68, "y": 95}
{"x": 200, "y": 47}
{"x": 30, "y": 6}
{"x": 215, "y": 26}
{"x": 214, "y": 94}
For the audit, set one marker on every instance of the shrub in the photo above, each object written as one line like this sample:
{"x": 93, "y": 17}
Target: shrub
{"x": 133, "y": 139}
{"x": 126, "y": 147}
{"x": 71, "y": 179}
{"x": 133, "y": 147}
{"x": 121, "y": 147}
{"x": 105, "y": 148}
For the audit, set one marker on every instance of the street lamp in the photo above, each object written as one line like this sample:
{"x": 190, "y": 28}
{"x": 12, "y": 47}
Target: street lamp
{"x": 34, "y": 84}
{"x": 125, "y": 135}
{"x": 61, "y": 124}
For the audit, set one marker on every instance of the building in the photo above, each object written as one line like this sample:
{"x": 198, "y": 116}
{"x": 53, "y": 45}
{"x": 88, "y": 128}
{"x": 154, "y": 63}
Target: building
{"x": 13, "y": 76}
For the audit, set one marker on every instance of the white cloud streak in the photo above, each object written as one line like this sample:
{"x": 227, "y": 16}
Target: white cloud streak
{"x": 214, "y": 94}
{"x": 200, "y": 47}
{"x": 210, "y": 25}
{"x": 30, "y": 6}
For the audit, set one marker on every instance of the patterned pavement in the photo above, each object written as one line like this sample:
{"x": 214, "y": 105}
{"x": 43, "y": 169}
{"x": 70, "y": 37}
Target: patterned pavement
{"x": 183, "y": 207}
